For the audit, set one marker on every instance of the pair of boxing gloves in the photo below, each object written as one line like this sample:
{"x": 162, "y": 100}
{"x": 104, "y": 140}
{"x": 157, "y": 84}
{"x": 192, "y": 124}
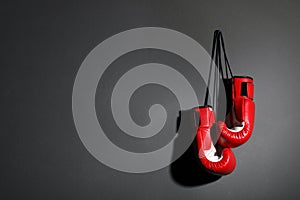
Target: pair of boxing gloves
{"x": 233, "y": 132}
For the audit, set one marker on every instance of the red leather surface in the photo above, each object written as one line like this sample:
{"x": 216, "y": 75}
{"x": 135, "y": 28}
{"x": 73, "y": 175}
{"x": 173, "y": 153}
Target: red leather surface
{"x": 243, "y": 110}
{"x": 237, "y": 85}
{"x": 227, "y": 163}
{"x": 223, "y": 167}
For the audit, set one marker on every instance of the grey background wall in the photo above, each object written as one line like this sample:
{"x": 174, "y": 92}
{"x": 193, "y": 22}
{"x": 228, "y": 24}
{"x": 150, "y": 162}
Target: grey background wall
{"x": 42, "y": 46}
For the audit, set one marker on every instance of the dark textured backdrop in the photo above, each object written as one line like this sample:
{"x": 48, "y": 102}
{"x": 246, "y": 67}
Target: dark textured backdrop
{"x": 42, "y": 46}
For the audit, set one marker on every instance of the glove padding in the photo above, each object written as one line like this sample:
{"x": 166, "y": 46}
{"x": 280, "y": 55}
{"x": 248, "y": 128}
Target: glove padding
{"x": 219, "y": 165}
{"x": 240, "y": 121}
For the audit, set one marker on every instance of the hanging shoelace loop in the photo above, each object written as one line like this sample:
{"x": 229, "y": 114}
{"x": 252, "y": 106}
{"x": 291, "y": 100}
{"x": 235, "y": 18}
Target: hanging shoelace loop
{"x": 219, "y": 69}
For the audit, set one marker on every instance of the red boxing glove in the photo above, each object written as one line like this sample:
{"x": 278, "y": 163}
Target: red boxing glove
{"x": 240, "y": 121}
{"x": 220, "y": 165}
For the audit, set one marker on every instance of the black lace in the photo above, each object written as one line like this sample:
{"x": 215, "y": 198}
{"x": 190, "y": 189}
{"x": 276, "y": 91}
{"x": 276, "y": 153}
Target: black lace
{"x": 223, "y": 72}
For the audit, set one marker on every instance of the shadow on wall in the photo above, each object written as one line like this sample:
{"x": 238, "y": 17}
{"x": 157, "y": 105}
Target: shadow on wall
{"x": 187, "y": 170}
